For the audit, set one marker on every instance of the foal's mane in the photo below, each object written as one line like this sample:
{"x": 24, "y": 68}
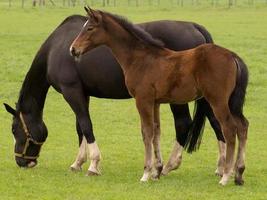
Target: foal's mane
{"x": 135, "y": 31}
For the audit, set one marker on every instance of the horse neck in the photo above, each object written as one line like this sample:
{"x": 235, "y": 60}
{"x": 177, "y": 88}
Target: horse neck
{"x": 34, "y": 88}
{"x": 125, "y": 46}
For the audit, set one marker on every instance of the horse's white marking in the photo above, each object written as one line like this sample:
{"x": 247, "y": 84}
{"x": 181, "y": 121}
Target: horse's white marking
{"x": 94, "y": 155}
{"x": 225, "y": 179}
{"x": 175, "y": 159}
{"x": 145, "y": 176}
{"x": 31, "y": 164}
{"x": 85, "y": 23}
{"x": 94, "y": 152}
{"x": 81, "y": 157}
{"x": 221, "y": 158}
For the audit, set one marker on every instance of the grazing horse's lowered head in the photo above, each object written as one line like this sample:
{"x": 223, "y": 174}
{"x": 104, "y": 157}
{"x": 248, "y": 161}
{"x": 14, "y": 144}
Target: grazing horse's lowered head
{"x": 29, "y": 133}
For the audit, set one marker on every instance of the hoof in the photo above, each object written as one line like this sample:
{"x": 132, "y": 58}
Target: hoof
{"x": 157, "y": 172}
{"x": 239, "y": 182}
{"x": 91, "y": 173}
{"x": 218, "y": 173}
{"x": 145, "y": 177}
{"x": 165, "y": 171}
{"x": 222, "y": 183}
{"x": 142, "y": 180}
{"x": 155, "y": 176}
{"x": 75, "y": 169}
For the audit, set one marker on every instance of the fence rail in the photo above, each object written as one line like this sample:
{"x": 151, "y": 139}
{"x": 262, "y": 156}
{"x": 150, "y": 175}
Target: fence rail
{"x": 104, "y": 3}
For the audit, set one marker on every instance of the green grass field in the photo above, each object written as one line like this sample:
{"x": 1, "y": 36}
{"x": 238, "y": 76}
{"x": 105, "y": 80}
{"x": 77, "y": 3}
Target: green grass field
{"x": 116, "y": 123}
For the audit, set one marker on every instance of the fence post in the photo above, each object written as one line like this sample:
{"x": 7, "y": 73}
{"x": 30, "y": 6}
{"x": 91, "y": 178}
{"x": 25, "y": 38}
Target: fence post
{"x": 230, "y": 3}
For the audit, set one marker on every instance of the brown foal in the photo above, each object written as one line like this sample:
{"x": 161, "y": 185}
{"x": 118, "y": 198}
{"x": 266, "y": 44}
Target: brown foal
{"x": 155, "y": 75}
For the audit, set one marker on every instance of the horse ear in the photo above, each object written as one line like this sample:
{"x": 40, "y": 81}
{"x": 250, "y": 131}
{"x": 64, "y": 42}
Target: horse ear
{"x": 10, "y": 109}
{"x": 96, "y": 15}
{"x": 86, "y": 9}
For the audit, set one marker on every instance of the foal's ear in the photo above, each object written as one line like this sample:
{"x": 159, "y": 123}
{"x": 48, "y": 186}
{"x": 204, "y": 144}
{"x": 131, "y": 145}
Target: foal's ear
{"x": 95, "y": 15}
{"x": 10, "y": 109}
{"x": 86, "y": 9}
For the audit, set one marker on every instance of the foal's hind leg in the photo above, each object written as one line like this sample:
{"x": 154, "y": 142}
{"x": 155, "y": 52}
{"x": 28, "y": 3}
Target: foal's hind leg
{"x": 219, "y": 135}
{"x": 221, "y": 158}
{"x": 240, "y": 163}
{"x": 146, "y": 112}
{"x": 228, "y": 126}
{"x": 156, "y": 143}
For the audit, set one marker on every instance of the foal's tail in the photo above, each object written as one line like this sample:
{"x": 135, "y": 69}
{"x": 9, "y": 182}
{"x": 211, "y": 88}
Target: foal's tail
{"x": 237, "y": 98}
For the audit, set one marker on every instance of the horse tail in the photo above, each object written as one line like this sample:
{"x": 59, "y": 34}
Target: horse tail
{"x": 237, "y": 98}
{"x": 196, "y": 129}
{"x": 204, "y": 32}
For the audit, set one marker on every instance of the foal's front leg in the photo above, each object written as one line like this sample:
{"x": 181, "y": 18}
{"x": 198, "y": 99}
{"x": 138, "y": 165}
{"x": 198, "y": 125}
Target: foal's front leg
{"x": 156, "y": 143}
{"x": 146, "y": 112}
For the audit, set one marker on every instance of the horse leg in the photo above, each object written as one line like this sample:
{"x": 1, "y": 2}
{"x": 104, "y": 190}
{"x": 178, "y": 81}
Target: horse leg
{"x": 78, "y": 102}
{"x": 146, "y": 112}
{"x": 174, "y": 160}
{"x": 221, "y": 158}
{"x": 156, "y": 143}
{"x": 229, "y": 129}
{"x": 219, "y": 135}
{"x": 240, "y": 163}
{"x": 82, "y": 153}
{"x": 182, "y": 120}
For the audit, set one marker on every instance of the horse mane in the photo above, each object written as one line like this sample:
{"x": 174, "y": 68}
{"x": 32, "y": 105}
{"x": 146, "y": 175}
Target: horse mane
{"x": 135, "y": 31}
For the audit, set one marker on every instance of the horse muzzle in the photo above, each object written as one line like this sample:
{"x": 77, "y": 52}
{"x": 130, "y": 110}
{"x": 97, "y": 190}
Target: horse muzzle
{"x": 74, "y": 52}
{"x": 25, "y": 163}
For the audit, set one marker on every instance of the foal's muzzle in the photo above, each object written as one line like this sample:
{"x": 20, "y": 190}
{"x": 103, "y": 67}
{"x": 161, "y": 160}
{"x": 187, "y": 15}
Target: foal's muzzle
{"x": 74, "y": 52}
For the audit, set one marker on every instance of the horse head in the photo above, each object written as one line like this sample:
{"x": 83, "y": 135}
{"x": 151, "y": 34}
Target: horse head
{"x": 29, "y": 133}
{"x": 92, "y": 34}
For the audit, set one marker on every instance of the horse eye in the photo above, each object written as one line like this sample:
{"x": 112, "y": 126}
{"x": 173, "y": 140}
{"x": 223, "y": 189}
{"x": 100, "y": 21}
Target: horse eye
{"x": 90, "y": 28}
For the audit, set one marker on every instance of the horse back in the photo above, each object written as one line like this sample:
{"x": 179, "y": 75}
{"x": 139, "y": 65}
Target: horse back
{"x": 98, "y": 72}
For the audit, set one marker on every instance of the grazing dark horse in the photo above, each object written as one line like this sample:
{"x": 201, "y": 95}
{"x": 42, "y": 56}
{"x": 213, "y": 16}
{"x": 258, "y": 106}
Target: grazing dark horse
{"x": 53, "y": 66}
{"x": 155, "y": 75}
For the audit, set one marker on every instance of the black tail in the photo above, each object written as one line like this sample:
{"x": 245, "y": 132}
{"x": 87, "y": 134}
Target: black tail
{"x": 237, "y": 98}
{"x": 195, "y": 132}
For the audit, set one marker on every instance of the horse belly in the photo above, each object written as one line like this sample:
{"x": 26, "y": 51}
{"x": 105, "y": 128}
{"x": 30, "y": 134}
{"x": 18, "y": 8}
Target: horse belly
{"x": 182, "y": 95}
{"x": 181, "y": 92}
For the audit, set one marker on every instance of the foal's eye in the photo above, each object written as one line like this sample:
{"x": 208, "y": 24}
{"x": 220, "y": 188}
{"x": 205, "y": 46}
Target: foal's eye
{"x": 90, "y": 28}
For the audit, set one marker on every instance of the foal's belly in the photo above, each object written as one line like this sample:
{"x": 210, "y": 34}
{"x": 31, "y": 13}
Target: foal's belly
{"x": 178, "y": 96}
{"x": 179, "y": 92}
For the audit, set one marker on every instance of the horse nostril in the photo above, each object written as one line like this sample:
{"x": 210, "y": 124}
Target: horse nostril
{"x": 72, "y": 51}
